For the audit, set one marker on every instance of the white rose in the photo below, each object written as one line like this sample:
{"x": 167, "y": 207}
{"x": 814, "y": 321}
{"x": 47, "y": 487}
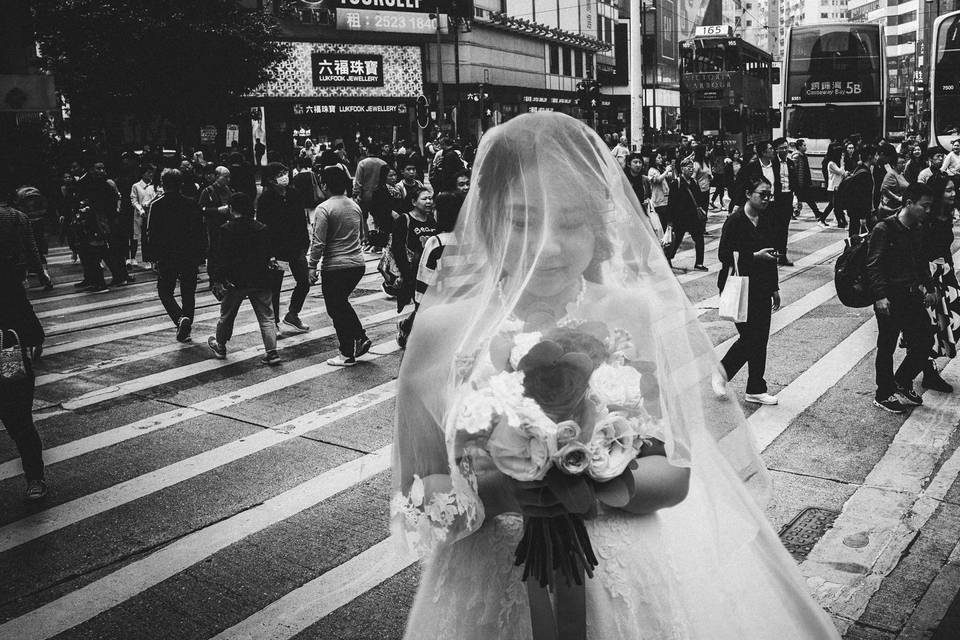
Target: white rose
{"x": 613, "y": 445}
{"x": 617, "y": 385}
{"x": 477, "y": 412}
{"x": 567, "y": 431}
{"x": 573, "y": 458}
{"x": 522, "y": 343}
{"x": 507, "y": 388}
{"x": 523, "y": 443}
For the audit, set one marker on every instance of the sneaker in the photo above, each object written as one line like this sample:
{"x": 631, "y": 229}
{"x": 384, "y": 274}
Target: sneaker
{"x": 36, "y": 490}
{"x": 391, "y": 294}
{"x": 891, "y": 404}
{"x": 279, "y": 333}
{"x": 761, "y": 398}
{"x": 101, "y": 289}
{"x": 909, "y": 396}
{"x": 292, "y": 320}
{"x": 218, "y": 349}
{"x": 270, "y": 358}
{"x": 83, "y": 284}
{"x": 934, "y": 381}
{"x": 120, "y": 283}
{"x": 700, "y": 267}
{"x": 362, "y": 346}
{"x": 784, "y": 262}
{"x": 719, "y": 383}
{"x": 48, "y": 286}
{"x": 401, "y": 336}
{"x": 183, "y": 329}
{"x": 822, "y": 224}
{"x": 341, "y": 361}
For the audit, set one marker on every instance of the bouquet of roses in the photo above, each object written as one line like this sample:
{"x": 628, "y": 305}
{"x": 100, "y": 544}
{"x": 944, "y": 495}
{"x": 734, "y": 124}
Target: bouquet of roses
{"x": 563, "y": 409}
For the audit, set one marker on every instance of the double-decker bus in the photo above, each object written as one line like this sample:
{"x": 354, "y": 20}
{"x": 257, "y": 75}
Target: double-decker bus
{"x": 836, "y": 87}
{"x": 725, "y": 89}
{"x": 945, "y": 81}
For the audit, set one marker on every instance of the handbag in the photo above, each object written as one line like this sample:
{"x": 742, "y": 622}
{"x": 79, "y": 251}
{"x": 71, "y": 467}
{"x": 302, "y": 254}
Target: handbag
{"x": 734, "y": 298}
{"x": 667, "y": 238}
{"x": 13, "y": 366}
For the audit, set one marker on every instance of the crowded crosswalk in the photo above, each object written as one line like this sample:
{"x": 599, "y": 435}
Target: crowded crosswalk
{"x": 246, "y": 501}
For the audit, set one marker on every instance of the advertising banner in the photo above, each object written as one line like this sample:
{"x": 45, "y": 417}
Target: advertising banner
{"x": 357, "y": 69}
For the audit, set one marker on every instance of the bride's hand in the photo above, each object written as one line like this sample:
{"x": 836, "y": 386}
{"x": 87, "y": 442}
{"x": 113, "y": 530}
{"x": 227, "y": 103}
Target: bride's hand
{"x": 556, "y": 495}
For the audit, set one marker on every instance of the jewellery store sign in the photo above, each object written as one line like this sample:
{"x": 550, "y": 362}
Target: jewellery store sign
{"x": 351, "y": 69}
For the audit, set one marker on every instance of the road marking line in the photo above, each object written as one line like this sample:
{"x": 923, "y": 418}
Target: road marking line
{"x": 884, "y": 515}
{"x": 715, "y": 266}
{"x": 320, "y": 597}
{"x": 63, "y": 515}
{"x": 242, "y": 329}
{"x": 81, "y": 605}
{"x": 145, "y": 313}
{"x": 157, "y": 422}
{"x": 167, "y": 376}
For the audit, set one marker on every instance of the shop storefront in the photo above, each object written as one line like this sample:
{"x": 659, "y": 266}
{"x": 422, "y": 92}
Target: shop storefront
{"x": 331, "y": 92}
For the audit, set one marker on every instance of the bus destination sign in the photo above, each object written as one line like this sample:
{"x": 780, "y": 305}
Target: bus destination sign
{"x": 830, "y": 91}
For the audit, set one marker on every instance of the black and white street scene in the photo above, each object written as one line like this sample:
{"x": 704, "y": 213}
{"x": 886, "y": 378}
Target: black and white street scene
{"x": 479, "y": 320}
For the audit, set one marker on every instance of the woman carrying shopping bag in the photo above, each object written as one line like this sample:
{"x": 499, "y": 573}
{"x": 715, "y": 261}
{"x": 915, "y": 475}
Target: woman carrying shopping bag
{"x": 746, "y": 234}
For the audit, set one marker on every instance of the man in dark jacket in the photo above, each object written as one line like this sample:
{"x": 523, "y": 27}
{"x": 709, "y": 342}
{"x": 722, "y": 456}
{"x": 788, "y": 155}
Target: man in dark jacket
{"x": 19, "y": 324}
{"x": 281, "y": 208}
{"x": 240, "y": 268}
{"x": 802, "y": 178}
{"x": 683, "y": 203}
{"x": 99, "y": 211}
{"x": 857, "y": 191}
{"x": 213, "y": 202}
{"x": 747, "y": 232}
{"x": 174, "y": 238}
{"x": 901, "y": 285}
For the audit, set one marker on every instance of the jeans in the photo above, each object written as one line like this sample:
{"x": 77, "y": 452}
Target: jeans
{"x": 168, "y": 273}
{"x": 751, "y": 347}
{"x": 695, "y": 229}
{"x": 230, "y": 305}
{"x": 16, "y": 414}
{"x": 336, "y": 286}
{"x": 298, "y": 267}
{"x": 907, "y": 316}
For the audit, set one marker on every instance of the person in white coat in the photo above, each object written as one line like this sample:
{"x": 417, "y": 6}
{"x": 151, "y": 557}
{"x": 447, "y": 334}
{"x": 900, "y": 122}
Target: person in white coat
{"x": 141, "y": 195}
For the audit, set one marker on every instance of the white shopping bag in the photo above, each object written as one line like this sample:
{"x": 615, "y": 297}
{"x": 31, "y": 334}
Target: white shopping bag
{"x": 667, "y": 238}
{"x": 734, "y": 297}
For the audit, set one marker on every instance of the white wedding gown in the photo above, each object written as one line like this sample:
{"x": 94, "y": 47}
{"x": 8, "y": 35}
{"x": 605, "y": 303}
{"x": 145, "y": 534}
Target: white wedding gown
{"x": 690, "y": 572}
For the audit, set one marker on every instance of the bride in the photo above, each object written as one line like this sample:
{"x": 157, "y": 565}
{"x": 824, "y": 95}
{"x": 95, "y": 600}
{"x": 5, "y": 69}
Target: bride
{"x": 551, "y": 239}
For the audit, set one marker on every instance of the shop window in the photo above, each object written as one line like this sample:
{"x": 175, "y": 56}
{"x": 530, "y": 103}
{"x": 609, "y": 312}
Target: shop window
{"x": 567, "y": 61}
{"x": 554, "y": 59}
{"x": 578, "y": 64}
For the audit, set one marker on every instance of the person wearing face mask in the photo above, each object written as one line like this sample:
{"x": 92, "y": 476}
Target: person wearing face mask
{"x": 280, "y": 207}
{"x": 945, "y": 313}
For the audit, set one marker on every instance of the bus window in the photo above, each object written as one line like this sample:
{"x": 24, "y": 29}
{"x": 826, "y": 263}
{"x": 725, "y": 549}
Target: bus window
{"x": 732, "y": 121}
{"x": 833, "y": 123}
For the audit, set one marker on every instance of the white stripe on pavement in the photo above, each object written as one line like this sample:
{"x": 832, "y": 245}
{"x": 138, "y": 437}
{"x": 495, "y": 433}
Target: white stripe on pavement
{"x": 884, "y": 515}
{"x": 115, "y": 588}
{"x": 138, "y": 356}
{"x": 322, "y": 596}
{"x": 167, "y": 376}
{"x": 63, "y": 515}
{"x": 150, "y": 424}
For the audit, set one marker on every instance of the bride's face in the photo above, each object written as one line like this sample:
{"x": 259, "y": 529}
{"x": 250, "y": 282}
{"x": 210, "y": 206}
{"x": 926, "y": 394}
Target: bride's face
{"x": 552, "y": 240}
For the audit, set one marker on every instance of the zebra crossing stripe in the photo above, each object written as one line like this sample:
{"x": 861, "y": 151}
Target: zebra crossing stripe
{"x": 177, "y": 373}
{"x": 157, "y": 422}
{"x": 63, "y": 515}
{"x": 319, "y": 598}
{"x": 115, "y": 588}
{"x": 885, "y": 514}
{"x": 249, "y": 327}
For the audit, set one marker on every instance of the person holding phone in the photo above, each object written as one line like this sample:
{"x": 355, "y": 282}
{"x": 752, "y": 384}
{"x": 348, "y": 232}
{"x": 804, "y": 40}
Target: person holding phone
{"x": 749, "y": 232}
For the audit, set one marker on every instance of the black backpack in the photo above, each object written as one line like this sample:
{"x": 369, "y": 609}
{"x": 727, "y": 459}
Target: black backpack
{"x": 850, "y": 273}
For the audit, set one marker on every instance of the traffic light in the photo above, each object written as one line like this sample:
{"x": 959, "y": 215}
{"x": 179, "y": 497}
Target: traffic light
{"x": 594, "y": 95}
{"x": 588, "y": 95}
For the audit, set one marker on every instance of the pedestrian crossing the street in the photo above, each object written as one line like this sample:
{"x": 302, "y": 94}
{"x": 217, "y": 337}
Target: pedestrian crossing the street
{"x": 197, "y": 498}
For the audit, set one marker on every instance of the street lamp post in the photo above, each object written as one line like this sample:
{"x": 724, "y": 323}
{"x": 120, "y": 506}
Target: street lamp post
{"x": 440, "y": 105}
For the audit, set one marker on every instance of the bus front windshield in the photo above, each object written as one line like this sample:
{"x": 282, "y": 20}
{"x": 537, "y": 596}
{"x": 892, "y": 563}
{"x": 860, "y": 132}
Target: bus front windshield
{"x": 834, "y": 64}
{"x": 834, "y": 122}
{"x": 946, "y": 82}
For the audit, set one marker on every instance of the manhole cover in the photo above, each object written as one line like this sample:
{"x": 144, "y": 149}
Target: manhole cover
{"x": 801, "y": 533}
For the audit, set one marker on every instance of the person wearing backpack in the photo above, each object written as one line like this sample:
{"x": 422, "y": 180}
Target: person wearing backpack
{"x": 20, "y": 329}
{"x": 902, "y": 289}
{"x": 856, "y": 192}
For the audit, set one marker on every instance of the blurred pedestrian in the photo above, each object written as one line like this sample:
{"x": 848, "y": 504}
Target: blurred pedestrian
{"x": 240, "y": 269}
{"x": 174, "y": 234}
{"x": 281, "y": 208}
{"x": 214, "y": 204}
{"x": 20, "y": 333}
{"x": 858, "y": 191}
{"x": 802, "y": 180}
{"x": 142, "y": 194}
{"x": 934, "y": 165}
{"x": 336, "y": 252}
{"x": 833, "y": 162}
{"x": 410, "y": 233}
{"x": 688, "y": 214}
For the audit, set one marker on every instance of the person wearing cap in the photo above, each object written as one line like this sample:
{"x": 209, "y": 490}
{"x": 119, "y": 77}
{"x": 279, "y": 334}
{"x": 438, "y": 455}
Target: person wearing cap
{"x": 280, "y": 207}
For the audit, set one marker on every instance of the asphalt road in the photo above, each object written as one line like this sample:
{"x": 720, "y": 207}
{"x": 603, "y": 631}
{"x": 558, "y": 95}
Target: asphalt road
{"x": 194, "y": 498}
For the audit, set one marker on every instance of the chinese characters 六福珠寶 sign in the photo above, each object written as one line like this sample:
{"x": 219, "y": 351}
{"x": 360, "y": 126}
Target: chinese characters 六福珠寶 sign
{"x": 358, "y": 69}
